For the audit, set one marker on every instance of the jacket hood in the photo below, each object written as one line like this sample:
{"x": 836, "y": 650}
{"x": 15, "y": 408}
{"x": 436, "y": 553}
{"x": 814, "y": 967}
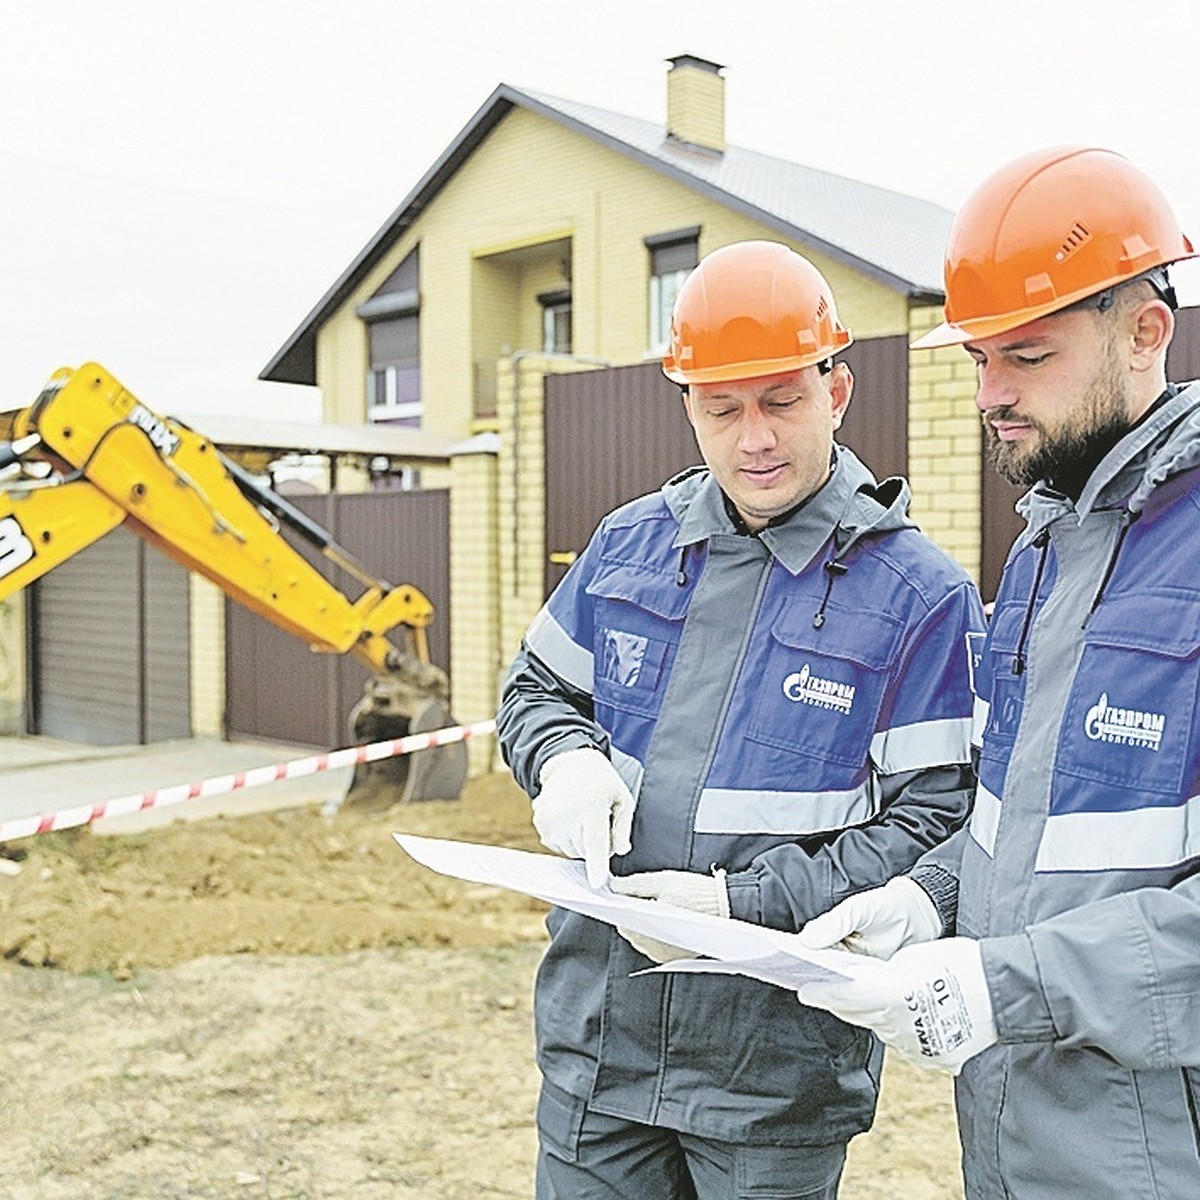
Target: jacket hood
{"x": 1165, "y": 445}
{"x": 851, "y": 505}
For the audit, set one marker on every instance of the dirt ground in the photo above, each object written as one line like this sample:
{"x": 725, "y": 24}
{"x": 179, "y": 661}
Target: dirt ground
{"x": 285, "y": 1005}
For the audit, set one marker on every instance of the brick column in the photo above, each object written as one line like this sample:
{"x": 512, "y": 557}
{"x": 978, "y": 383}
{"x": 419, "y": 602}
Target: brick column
{"x": 945, "y": 445}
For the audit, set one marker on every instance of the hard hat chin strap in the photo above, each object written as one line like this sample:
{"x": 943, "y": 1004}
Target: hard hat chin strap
{"x": 1160, "y": 281}
{"x": 1156, "y": 277}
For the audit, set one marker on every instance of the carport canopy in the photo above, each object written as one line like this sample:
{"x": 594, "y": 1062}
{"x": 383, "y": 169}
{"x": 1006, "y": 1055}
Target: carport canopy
{"x": 255, "y": 443}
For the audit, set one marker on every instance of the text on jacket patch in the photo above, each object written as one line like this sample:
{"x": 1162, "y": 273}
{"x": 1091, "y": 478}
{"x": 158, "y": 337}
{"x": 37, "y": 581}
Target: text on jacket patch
{"x": 807, "y": 688}
{"x": 1104, "y": 723}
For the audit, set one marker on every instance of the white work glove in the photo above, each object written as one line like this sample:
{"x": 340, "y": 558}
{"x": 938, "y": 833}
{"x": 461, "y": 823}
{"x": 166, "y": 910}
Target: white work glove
{"x": 929, "y": 1002}
{"x": 652, "y": 948}
{"x": 877, "y": 922}
{"x": 584, "y": 810}
{"x": 684, "y": 889}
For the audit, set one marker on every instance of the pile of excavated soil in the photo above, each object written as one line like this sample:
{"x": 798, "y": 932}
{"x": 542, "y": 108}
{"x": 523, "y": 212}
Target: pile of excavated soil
{"x": 292, "y": 882}
{"x": 287, "y": 1006}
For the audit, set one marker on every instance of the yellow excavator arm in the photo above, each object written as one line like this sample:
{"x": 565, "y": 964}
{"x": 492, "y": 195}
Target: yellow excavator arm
{"x": 87, "y": 456}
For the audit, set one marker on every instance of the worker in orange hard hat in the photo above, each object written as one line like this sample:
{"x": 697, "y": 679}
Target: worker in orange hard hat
{"x": 1052, "y": 947}
{"x": 1048, "y": 230}
{"x": 748, "y": 698}
{"x": 755, "y": 312}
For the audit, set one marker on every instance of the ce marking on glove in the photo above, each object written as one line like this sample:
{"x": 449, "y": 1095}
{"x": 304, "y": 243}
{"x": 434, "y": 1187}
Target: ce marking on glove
{"x": 941, "y": 1018}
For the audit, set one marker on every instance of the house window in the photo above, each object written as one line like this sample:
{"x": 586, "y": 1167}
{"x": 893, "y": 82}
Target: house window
{"x": 394, "y": 380}
{"x": 393, "y": 337}
{"x": 672, "y": 256}
{"x": 556, "y": 321}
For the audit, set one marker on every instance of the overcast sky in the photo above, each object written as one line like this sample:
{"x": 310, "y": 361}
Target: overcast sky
{"x": 179, "y": 184}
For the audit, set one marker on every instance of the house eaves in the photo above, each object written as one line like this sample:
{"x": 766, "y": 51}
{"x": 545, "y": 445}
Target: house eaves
{"x": 296, "y": 359}
{"x": 895, "y": 239}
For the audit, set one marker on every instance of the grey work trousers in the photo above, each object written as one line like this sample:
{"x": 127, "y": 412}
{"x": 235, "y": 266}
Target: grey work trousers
{"x": 585, "y": 1155}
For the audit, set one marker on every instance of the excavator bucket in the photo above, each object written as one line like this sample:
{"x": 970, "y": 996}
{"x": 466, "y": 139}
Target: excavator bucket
{"x": 409, "y": 702}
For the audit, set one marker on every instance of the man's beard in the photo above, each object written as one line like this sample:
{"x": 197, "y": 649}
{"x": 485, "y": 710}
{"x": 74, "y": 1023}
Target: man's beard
{"x": 1066, "y": 454}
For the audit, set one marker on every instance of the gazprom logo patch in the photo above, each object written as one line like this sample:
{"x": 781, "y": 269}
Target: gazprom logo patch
{"x": 804, "y": 687}
{"x": 1127, "y": 726}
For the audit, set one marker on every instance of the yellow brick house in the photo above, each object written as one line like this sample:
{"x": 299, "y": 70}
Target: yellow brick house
{"x": 551, "y": 237}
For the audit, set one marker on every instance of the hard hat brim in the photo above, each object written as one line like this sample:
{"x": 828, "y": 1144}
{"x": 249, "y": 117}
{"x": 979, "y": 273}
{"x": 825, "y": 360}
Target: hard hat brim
{"x": 950, "y": 333}
{"x": 755, "y": 368}
{"x": 955, "y": 333}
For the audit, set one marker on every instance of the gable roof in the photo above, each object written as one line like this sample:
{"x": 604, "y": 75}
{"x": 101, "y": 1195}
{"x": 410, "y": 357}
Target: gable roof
{"x": 897, "y": 239}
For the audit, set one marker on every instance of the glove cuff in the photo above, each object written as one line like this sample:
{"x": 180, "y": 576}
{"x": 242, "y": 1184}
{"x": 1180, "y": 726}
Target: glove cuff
{"x": 942, "y": 888}
{"x": 567, "y": 758}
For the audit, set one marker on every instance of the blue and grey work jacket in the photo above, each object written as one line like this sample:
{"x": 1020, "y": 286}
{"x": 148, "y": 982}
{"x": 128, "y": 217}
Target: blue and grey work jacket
{"x": 1080, "y": 868}
{"x": 793, "y": 707}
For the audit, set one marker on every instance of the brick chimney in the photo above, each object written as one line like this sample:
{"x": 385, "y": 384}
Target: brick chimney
{"x": 696, "y": 102}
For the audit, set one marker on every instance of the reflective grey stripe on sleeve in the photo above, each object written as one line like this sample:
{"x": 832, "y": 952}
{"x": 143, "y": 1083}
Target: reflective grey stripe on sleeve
{"x": 629, "y": 769}
{"x": 921, "y": 745}
{"x": 979, "y": 720}
{"x": 732, "y": 810}
{"x": 553, "y": 645}
{"x": 1126, "y": 841}
{"x": 985, "y": 818}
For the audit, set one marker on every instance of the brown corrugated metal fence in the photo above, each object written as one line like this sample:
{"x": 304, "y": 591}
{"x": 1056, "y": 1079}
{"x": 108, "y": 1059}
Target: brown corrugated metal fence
{"x": 276, "y": 688}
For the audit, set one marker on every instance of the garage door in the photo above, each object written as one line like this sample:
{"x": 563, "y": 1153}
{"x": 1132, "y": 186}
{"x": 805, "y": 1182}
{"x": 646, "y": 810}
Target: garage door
{"x": 110, "y": 646}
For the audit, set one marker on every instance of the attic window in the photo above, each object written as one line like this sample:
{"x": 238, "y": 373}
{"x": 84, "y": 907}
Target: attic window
{"x": 672, "y": 257}
{"x": 392, "y": 315}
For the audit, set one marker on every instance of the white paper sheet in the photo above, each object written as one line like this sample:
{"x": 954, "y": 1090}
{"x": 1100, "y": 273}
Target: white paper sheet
{"x": 731, "y": 947}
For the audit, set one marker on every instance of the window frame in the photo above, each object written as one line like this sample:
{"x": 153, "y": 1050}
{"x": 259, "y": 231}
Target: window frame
{"x": 555, "y": 306}
{"x": 397, "y": 300}
{"x": 673, "y": 256}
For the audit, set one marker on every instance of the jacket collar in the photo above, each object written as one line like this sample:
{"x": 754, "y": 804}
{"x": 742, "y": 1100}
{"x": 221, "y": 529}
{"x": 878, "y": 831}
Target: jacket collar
{"x": 1165, "y": 444}
{"x": 849, "y": 505}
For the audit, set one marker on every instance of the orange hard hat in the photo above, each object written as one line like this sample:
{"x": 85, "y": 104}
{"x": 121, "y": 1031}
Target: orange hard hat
{"x": 1049, "y": 229}
{"x": 751, "y": 309}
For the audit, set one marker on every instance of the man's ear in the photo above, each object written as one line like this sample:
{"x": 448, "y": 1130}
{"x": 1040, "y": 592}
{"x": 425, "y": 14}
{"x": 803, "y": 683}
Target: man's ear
{"x": 841, "y": 385}
{"x": 685, "y": 395}
{"x": 1153, "y": 325}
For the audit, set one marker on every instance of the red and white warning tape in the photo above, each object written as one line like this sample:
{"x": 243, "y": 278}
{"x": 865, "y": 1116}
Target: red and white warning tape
{"x": 352, "y": 756}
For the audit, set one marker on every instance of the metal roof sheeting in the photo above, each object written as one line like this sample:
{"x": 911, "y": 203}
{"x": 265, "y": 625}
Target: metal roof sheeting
{"x": 899, "y": 238}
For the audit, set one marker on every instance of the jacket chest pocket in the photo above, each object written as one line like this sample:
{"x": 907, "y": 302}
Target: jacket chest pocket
{"x": 1002, "y": 690}
{"x": 821, "y": 690}
{"x": 997, "y": 682}
{"x": 1130, "y": 718}
{"x": 638, "y": 620}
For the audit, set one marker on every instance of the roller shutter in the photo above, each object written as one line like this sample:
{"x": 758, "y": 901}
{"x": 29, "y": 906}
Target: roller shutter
{"x": 110, "y": 646}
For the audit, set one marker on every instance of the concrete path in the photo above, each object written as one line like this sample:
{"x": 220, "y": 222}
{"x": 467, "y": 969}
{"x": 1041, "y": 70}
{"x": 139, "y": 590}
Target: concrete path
{"x": 42, "y": 775}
